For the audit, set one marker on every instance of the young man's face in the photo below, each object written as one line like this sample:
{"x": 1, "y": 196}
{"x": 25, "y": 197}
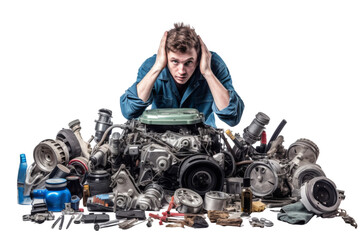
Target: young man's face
{"x": 182, "y": 65}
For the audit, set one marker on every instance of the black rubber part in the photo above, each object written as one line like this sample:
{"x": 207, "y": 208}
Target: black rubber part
{"x": 276, "y": 134}
{"x": 68, "y": 137}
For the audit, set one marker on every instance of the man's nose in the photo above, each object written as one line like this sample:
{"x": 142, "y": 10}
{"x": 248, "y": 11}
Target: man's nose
{"x": 182, "y": 69}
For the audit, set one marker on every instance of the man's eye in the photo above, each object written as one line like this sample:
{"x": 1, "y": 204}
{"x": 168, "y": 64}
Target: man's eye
{"x": 174, "y": 62}
{"x": 188, "y": 63}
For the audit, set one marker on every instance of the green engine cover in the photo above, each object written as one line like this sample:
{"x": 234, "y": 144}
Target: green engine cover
{"x": 172, "y": 116}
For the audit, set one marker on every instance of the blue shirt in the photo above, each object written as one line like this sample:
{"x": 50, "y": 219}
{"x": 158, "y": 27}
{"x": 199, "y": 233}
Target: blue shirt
{"x": 197, "y": 95}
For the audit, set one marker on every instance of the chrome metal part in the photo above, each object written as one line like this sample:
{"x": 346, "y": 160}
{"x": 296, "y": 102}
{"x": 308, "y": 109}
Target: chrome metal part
{"x": 70, "y": 221}
{"x": 187, "y": 201}
{"x": 57, "y": 220}
{"x": 262, "y": 222}
{"x": 111, "y": 223}
{"x": 215, "y": 200}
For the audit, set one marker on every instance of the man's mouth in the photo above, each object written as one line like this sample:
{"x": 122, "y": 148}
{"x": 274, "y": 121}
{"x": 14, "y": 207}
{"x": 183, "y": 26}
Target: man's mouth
{"x": 181, "y": 77}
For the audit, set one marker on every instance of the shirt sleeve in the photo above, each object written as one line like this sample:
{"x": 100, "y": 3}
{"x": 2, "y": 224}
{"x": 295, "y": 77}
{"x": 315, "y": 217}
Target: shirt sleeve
{"x": 231, "y": 115}
{"x": 130, "y": 103}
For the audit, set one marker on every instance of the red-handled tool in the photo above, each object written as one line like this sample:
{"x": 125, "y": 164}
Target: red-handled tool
{"x": 165, "y": 215}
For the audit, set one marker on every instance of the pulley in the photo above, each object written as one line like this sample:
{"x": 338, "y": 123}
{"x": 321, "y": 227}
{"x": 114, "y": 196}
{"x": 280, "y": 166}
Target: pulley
{"x": 187, "y": 201}
{"x": 151, "y": 198}
{"x": 201, "y": 174}
{"x": 68, "y": 137}
{"x": 49, "y": 153}
{"x": 263, "y": 177}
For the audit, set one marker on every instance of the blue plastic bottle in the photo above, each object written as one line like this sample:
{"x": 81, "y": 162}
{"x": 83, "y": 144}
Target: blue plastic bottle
{"x": 24, "y": 200}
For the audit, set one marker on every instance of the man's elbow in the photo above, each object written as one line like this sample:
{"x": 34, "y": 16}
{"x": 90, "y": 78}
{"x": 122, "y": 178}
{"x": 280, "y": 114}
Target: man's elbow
{"x": 235, "y": 117}
{"x": 125, "y": 108}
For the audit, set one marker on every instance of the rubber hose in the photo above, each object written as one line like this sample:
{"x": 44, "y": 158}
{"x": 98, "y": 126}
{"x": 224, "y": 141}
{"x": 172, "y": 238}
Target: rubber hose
{"x": 276, "y": 134}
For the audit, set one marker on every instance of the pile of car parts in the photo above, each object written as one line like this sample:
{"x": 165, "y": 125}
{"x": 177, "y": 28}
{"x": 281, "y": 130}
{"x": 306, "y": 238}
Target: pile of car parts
{"x": 170, "y": 157}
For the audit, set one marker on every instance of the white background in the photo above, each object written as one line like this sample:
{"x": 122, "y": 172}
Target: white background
{"x": 293, "y": 60}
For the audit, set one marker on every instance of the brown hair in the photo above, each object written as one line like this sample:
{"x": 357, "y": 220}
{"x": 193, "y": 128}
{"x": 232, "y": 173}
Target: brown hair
{"x": 182, "y": 38}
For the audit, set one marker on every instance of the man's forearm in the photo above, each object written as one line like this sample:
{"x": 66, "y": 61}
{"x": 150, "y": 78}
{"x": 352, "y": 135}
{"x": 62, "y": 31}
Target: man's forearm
{"x": 145, "y": 86}
{"x": 219, "y": 92}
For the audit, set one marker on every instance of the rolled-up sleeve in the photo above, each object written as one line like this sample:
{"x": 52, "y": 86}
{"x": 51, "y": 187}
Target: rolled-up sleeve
{"x": 130, "y": 103}
{"x": 231, "y": 115}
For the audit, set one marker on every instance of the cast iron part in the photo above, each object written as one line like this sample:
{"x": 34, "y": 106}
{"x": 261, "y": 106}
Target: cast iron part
{"x": 201, "y": 174}
{"x": 49, "y": 153}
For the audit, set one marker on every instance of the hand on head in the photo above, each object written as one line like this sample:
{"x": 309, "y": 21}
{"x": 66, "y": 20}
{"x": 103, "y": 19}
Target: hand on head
{"x": 161, "y": 58}
{"x": 205, "y": 60}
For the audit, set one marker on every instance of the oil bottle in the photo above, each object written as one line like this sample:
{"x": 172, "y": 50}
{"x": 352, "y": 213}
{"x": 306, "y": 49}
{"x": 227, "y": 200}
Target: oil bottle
{"x": 86, "y": 194}
{"x": 24, "y": 200}
{"x": 246, "y": 197}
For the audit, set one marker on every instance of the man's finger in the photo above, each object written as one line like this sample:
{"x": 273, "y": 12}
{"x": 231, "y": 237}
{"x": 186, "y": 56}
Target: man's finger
{"x": 203, "y": 46}
{"x": 163, "y": 39}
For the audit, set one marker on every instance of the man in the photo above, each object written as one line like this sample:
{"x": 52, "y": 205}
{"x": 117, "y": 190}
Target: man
{"x": 184, "y": 74}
